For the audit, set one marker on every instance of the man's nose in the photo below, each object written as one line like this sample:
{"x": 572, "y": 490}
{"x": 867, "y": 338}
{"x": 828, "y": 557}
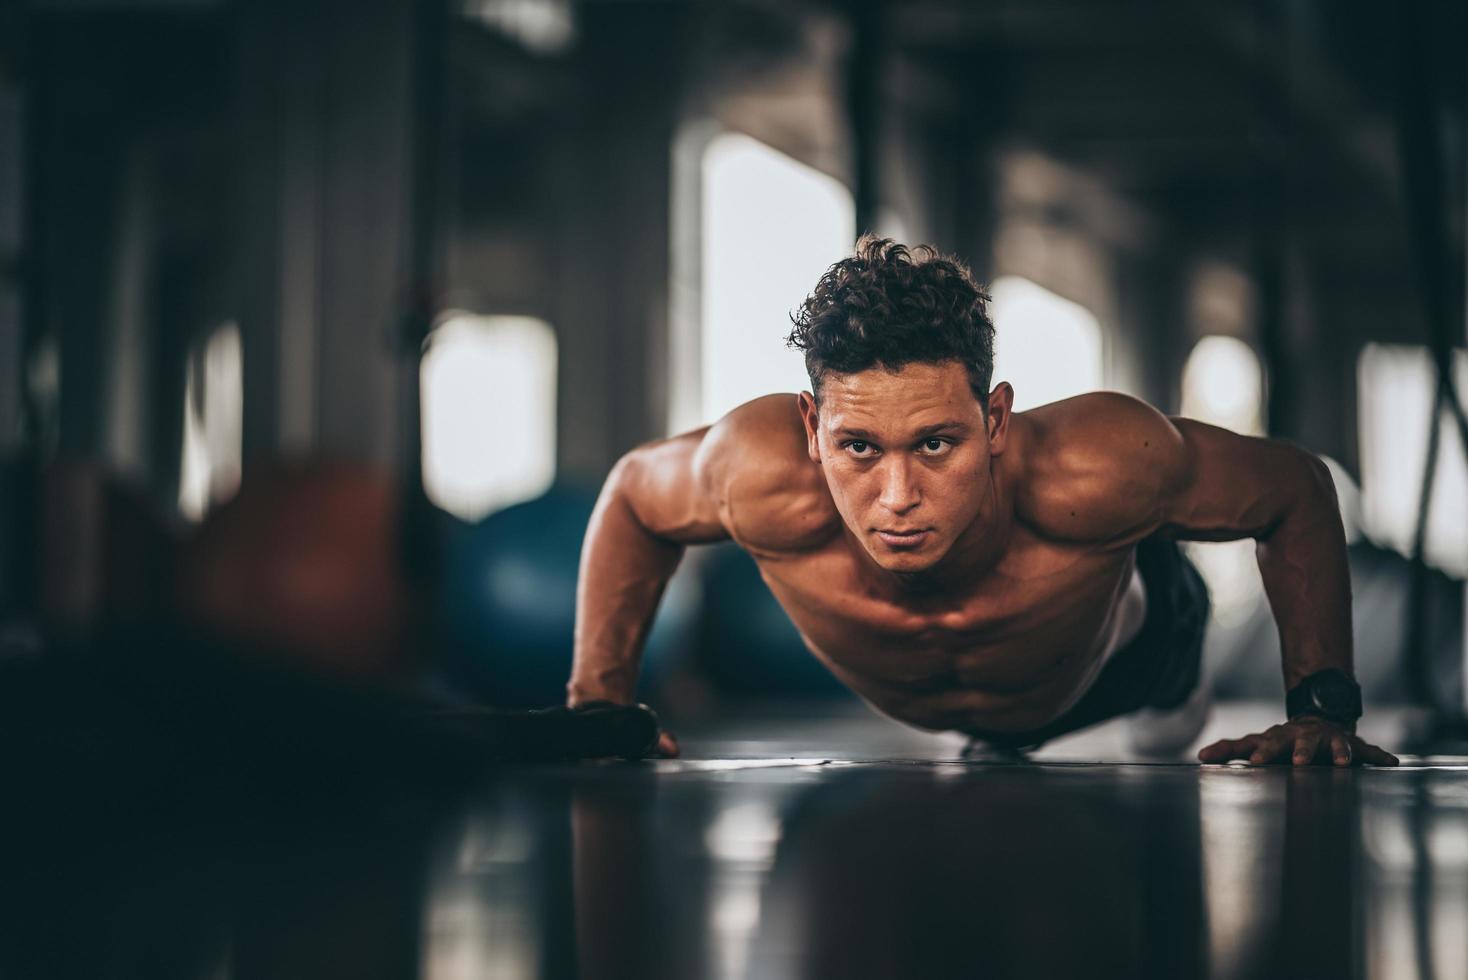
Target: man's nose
{"x": 899, "y": 490}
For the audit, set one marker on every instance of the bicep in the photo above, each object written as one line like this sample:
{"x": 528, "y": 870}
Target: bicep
{"x": 1223, "y": 486}
{"x": 667, "y": 486}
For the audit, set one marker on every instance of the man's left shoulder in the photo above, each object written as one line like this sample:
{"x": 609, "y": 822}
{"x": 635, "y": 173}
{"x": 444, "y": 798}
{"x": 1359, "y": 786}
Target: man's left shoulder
{"x": 1104, "y": 431}
{"x": 1100, "y": 467}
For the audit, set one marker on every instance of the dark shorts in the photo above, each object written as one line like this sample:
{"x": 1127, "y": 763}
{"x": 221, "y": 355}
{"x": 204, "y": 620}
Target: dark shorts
{"x": 1160, "y": 666}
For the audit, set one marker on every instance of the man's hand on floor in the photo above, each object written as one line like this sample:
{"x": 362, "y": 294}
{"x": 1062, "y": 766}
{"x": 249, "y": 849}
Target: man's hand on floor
{"x": 1304, "y": 741}
{"x": 664, "y": 746}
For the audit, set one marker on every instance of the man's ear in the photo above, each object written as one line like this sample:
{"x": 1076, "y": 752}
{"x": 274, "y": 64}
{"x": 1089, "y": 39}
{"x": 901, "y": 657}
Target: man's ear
{"x": 809, "y": 414}
{"x": 1001, "y": 402}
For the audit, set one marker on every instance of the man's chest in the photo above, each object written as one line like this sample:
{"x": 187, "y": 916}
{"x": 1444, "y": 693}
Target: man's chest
{"x": 1041, "y": 612}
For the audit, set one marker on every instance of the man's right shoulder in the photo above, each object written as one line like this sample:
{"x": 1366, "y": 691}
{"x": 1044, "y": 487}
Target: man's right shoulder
{"x": 771, "y": 496}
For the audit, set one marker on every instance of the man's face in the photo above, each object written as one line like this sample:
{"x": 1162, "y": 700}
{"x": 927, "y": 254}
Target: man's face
{"x": 906, "y": 456}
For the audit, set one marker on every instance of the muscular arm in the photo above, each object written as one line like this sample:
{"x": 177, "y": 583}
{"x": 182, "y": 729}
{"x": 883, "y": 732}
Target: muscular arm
{"x": 1230, "y": 486}
{"x": 1209, "y": 484}
{"x": 1131, "y": 471}
{"x": 1140, "y": 472}
{"x": 653, "y": 503}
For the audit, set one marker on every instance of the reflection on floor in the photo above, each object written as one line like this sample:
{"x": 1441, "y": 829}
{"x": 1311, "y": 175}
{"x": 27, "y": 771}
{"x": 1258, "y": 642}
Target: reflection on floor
{"x": 817, "y": 845}
{"x": 845, "y": 847}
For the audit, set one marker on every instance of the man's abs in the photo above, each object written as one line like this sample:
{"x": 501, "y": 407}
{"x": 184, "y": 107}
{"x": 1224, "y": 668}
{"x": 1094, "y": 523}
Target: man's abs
{"x": 1011, "y": 657}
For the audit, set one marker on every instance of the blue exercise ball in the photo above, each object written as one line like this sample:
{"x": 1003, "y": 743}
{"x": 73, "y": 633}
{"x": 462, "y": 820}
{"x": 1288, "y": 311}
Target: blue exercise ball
{"x": 750, "y": 647}
{"x": 508, "y": 603}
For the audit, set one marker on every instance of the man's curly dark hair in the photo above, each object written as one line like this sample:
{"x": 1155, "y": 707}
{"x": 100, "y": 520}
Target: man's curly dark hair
{"x": 888, "y": 305}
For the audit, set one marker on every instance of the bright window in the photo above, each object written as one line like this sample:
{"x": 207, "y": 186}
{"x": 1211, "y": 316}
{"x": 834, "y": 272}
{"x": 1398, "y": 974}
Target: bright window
{"x": 489, "y": 412}
{"x": 209, "y": 470}
{"x": 543, "y": 26}
{"x": 1047, "y": 347}
{"x": 771, "y": 227}
{"x": 1395, "y": 391}
{"x": 1223, "y": 385}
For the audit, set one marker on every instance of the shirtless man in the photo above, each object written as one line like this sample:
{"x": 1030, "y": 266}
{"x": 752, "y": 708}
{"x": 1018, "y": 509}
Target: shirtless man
{"x": 1012, "y": 575}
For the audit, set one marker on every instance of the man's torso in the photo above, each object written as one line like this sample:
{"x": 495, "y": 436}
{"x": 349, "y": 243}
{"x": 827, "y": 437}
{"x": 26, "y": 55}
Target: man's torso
{"x": 1011, "y": 652}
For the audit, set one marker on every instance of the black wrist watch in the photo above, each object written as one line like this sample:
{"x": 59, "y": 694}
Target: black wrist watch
{"x": 1330, "y": 694}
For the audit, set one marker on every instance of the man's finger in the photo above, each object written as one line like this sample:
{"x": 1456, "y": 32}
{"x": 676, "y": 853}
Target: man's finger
{"x": 667, "y": 745}
{"x": 1377, "y": 757}
{"x": 1340, "y": 750}
{"x": 1305, "y": 748}
{"x": 1227, "y": 748}
{"x": 1270, "y": 747}
{"x": 1217, "y": 752}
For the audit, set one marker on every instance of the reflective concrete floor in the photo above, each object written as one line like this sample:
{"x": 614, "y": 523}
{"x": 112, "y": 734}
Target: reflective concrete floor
{"x": 835, "y": 845}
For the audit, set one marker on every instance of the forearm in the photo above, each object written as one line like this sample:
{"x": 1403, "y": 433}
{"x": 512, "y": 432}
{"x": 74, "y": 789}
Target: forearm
{"x": 1307, "y": 577}
{"x": 624, "y": 570}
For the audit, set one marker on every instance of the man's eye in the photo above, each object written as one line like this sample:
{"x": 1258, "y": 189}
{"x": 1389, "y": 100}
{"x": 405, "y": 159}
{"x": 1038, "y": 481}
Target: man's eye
{"x": 936, "y": 447}
{"x": 858, "y": 448}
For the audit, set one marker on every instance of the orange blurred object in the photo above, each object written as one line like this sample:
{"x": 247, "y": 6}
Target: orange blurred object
{"x": 302, "y": 567}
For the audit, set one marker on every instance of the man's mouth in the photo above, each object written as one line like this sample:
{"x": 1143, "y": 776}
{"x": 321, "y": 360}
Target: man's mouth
{"x": 904, "y": 538}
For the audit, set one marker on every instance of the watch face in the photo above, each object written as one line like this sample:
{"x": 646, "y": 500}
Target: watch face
{"x": 1337, "y": 695}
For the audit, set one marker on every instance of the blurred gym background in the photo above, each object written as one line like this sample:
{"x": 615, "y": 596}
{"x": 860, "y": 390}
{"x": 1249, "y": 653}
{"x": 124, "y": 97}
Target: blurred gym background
{"x": 321, "y": 323}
